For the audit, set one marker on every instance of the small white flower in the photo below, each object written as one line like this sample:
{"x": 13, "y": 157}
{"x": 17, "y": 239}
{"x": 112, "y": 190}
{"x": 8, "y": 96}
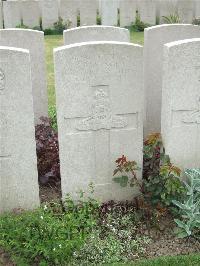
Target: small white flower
{"x": 41, "y": 217}
{"x": 45, "y": 207}
{"x": 60, "y": 246}
{"x": 54, "y": 249}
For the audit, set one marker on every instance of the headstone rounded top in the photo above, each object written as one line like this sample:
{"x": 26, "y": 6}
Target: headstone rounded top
{"x": 96, "y": 43}
{"x": 175, "y": 25}
{"x": 23, "y": 30}
{"x": 182, "y": 42}
{"x": 97, "y": 27}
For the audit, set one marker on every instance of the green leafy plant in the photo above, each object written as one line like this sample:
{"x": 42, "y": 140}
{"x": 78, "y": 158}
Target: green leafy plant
{"x": 60, "y": 26}
{"x": 171, "y": 19}
{"x": 98, "y": 22}
{"x": 196, "y": 21}
{"x": 22, "y": 25}
{"x": 189, "y": 209}
{"x": 53, "y": 117}
{"x": 49, "y": 235}
{"x": 162, "y": 182}
{"x": 138, "y": 25}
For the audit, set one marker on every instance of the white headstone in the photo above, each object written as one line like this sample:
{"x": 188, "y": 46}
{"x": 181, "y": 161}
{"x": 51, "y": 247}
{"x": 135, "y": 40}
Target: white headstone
{"x": 109, "y": 12}
{"x": 88, "y": 12}
{"x": 1, "y": 14}
{"x": 197, "y": 9}
{"x": 30, "y": 13}
{"x": 18, "y": 165}
{"x": 12, "y": 13}
{"x": 181, "y": 102}
{"x": 34, "y": 42}
{"x": 185, "y": 10}
{"x": 154, "y": 39}
{"x": 68, "y": 11}
{"x": 127, "y": 12}
{"x": 147, "y": 11}
{"x": 99, "y": 105}
{"x": 96, "y": 33}
{"x": 49, "y": 13}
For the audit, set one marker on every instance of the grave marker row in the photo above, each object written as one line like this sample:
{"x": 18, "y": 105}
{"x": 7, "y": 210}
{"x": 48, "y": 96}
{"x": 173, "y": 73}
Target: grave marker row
{"x": 49, "y": 11}
{"x": 100, "y": 106}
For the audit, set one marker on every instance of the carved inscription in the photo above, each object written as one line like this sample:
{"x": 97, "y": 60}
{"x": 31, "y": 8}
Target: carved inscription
{"x": 101, "y": 117}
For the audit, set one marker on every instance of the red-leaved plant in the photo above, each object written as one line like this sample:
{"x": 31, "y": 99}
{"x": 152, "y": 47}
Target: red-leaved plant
{"x": 128, "y": 172}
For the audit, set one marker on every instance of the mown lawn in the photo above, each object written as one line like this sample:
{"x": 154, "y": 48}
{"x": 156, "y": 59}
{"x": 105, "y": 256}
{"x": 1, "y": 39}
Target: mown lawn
{"x": 53, "y": 41}
{"x": 189, "y": 260}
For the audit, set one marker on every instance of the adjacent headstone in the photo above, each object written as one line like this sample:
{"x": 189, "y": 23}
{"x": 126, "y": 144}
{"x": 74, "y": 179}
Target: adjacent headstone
{"x": 12, "y": 13}
{"x": 88, "y": 12}
{"x": 96, "y": 33}
{"x": 147, "y": 11}
{"x": 167, "y": 8}
{"x": 99, "y": 105}
{"x": 68, "y": 12}
{"x": 185, "y": 10}
{"x": 18, "y": 165}
{"x": 109, "y": 12}
{"x": 30, "y": 13}
{"x": 197, "y": 9}
{"x": 49, "y": 13}
{"x": 34, "y": 42}
{"x": 181, "y": 102}
{"x": 127, "y": 12}
{"x": 154, "y": 39}
{"x": 1, "y": 14}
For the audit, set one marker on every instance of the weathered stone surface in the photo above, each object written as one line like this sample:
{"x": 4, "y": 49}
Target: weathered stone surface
{"x": 30, "y": 13}
{"x": 197, "y": 8}
{"x": 127, "y": 12}
{"x": 88, "y": 12}
{"x": 109, "y": 12}
{"x": 18, "y": 166}
{"x": 12, "y": 13}
{"x": 99, "y": 105}
{"x": 68, "y": 11}
{"x": 185, "y": 10}
{"x": 181, "y": 102}
{"x": 1, "y": 14}
{"x": 34, "y": 42}
{"x": 147, "y": 11}
{"x": 154, "y": 39}
{"x": 95, "y": 33}
{"x": 49, "y": 13}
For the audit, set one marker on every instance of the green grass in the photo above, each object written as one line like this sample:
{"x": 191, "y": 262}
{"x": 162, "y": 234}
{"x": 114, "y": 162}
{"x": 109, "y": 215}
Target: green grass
{"x": 187, "y": 260}
{"x": 53, "y": 41}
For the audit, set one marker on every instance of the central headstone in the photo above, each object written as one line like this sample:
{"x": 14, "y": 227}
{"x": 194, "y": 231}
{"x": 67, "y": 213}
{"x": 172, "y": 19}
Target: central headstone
{"x": 18, "y": 164}
{"x": 99, "y": 105}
